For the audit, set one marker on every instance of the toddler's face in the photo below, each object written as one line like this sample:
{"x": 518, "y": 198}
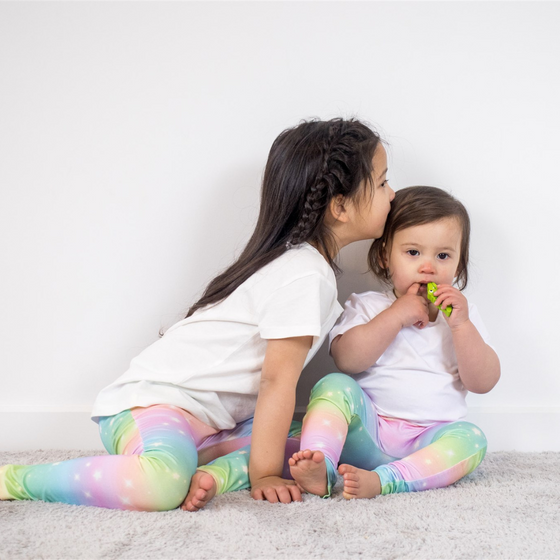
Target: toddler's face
{"x": 425, "y": 253}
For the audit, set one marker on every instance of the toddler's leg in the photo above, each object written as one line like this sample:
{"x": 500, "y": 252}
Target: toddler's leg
{"x": 336, "y": 401}
{"x": 444, "y": 455}
{"x": 157, "y": 457}
{"x": 230, "y": 472}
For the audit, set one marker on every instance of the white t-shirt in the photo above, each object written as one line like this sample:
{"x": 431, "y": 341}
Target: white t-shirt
{"x": 416, "y": 378}
{"x": 210, "y": 363}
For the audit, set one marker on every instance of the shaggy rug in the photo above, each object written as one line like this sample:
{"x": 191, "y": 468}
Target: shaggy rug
{"x": 508, "y": 508}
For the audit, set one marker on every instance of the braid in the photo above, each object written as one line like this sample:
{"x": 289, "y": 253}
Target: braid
{"x": 319, "y": 193}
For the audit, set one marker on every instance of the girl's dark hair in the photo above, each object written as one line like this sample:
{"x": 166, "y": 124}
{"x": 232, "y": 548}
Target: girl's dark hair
{"x": 415, "y": 206}
{"x": 307, "y": 166}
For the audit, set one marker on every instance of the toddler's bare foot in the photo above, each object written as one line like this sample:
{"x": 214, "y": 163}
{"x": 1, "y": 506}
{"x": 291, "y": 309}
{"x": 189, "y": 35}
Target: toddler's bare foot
{"x": 202, "y": 490}
{"x": 309, "y": 471}
{"x": 359, "y": 483}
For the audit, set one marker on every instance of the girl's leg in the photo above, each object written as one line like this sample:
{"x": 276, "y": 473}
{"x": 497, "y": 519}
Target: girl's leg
{"x": 153, "y": 456}
{"x": 227, "y": 470}
{"x": 339, "y": 417}
{"x": 437, "y": 457}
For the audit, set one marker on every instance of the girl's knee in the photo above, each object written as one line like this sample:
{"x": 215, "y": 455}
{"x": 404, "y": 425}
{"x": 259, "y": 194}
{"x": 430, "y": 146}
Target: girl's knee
{"x": 161, "y": 483}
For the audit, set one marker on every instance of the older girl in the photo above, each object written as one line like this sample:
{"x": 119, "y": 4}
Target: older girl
{"x": 191, "y": 396}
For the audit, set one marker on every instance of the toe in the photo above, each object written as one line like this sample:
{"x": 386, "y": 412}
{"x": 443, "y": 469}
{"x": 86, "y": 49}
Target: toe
{"x": 318, "y": 456}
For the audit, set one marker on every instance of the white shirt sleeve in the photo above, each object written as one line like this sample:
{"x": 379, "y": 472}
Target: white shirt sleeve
{"x": 298, "y": 308}
{"x": 359, "y": 309}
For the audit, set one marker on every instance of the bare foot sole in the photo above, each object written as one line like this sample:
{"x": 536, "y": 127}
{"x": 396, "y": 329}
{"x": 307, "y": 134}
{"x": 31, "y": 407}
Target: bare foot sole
{"x": 359, "y": 483}
{"x": 202, "y": 490}
{"x": 309, "y": 470}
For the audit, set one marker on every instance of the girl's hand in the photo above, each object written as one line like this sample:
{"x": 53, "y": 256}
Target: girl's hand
{"x": 448, "y": 295}
{"x": 275, "y": 489}
{"x": 411, "y": 308}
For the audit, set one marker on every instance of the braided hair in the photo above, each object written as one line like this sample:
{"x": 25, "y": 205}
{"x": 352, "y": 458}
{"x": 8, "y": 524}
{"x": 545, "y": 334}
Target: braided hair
{"x": 308, "y": 165}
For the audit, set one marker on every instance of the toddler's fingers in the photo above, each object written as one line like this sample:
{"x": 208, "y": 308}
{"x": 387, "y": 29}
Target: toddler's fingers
{"x": 413, "y": 289}
{"x": 257, "y": 494}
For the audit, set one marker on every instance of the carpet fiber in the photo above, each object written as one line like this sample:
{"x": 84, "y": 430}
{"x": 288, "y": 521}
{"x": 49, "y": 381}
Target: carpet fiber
{"x": 508, "y": 508}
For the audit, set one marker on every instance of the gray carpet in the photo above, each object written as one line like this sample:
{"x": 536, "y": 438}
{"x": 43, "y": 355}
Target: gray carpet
{"x": 508, "y": 508}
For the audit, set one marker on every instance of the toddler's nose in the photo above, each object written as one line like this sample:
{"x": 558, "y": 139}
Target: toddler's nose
{"x": 426, "y": 267}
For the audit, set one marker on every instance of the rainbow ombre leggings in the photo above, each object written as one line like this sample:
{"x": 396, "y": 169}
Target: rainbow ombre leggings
{"x": 154, "y": 452}
{"x": 341, "y": 421}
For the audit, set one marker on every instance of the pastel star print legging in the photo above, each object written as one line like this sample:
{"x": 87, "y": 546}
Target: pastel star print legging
{"x": 342, "y": 422}
{"x": 154, "y": 452}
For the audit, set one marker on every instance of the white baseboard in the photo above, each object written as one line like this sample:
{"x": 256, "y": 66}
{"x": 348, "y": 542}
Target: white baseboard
{"x": 25, "y": 428}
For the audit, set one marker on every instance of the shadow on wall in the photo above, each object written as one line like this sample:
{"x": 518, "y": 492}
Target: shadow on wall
{"x": 355, "y": 278}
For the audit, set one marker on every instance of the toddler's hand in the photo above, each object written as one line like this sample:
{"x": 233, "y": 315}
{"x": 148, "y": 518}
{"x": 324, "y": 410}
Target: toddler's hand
{"x": 411, "y": 308}
{"x": 448, "y": 295}
{"x": 275, "y": 489}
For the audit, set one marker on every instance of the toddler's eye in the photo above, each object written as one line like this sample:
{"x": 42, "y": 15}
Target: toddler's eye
{"x": 413, "y": 252}
{"x": 443, "y": 256}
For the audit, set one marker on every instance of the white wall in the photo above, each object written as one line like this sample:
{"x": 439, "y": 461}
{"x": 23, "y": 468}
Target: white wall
{"x": 132, "y": 141}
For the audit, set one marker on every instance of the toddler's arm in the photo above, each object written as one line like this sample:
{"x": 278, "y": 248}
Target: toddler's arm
{"x": 282, "y": 367}
{"x": 361, "y": 346}
{"x": 479, "y": 366}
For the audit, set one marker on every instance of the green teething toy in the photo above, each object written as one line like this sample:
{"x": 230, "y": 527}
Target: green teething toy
{"x": 432, "y": 287}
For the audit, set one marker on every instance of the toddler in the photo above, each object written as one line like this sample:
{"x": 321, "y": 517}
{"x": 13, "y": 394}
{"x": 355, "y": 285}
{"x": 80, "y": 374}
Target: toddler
{"x": 397, "y": 424}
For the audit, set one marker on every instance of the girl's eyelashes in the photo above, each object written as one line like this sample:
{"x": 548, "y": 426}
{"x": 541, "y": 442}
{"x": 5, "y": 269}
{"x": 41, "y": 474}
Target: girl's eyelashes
{"x": 443, "y": 256}
{"x": 413, "y": 252}
{"x": 384, "y": 184}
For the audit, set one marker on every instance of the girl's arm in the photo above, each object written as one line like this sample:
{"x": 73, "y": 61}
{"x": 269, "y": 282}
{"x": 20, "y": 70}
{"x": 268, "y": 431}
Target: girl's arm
{"x": 479, "y": 366}
{"x": 276, "y": 401}
{"x": 360, "y": 347}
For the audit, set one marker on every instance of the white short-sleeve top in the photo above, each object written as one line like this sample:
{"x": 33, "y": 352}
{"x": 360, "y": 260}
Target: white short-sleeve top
{"x": 417, "y": 377}
{"x": 210, "y": 363}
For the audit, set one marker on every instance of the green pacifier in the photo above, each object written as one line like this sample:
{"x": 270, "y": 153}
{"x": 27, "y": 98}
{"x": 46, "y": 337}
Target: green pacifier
{"x": 432, "y": 287}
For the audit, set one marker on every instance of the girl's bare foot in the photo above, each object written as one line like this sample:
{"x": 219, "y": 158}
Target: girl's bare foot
{"x": 202, "y": 490}
{"x": 359, "y": 483}
{"x": 309, "y": 471}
